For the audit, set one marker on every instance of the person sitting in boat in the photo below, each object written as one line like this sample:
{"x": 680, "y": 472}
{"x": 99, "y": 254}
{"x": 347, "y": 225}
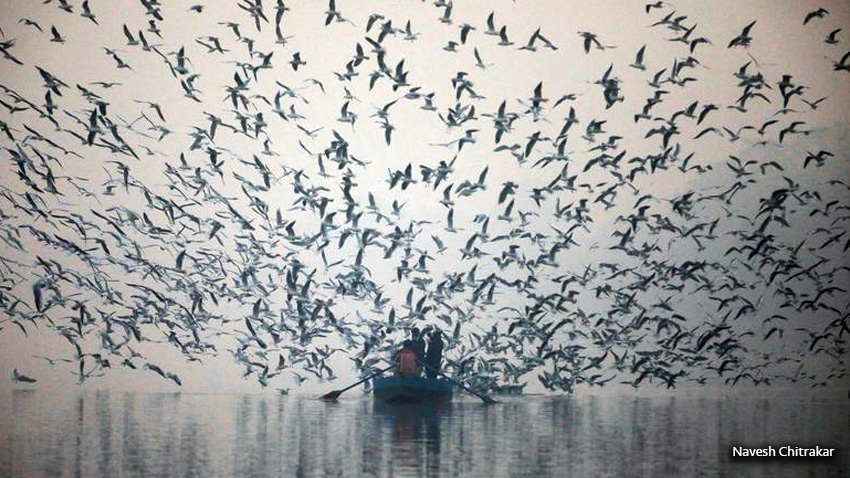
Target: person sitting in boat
{"x": 406, "y": 360}
{"x": 434, "y": 355}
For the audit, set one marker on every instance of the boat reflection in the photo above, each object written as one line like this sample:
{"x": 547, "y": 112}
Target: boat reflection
{"x": 415, "y": 433}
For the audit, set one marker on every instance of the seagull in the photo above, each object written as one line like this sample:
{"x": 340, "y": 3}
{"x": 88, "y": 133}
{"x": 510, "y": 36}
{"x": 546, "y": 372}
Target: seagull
{"x": 819, "y": 13}
{"x": 831, "y": 37}
{"x": 744, "y": 38}
{"x": 843, "y": 64}
{"x": 21, "y": 378}
{"x": 57, "y": 38}
{"x": 503, "y": 37}
{"x": 297, "y": 61}
{"x": 638, "y": 63}
{"x": 87, "y": 13}
{"x": 590, "y": 39}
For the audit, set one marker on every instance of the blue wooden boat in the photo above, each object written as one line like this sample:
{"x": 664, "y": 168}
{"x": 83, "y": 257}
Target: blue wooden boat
{"x": 411, "y": 389}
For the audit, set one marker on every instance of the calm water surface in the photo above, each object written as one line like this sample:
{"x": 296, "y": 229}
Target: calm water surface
{"x": 184, "y": 435}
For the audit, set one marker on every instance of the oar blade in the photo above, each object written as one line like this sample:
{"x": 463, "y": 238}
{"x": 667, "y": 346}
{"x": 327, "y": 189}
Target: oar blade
{"x": 484, "y": 398}
{"x": 331, "y": 396}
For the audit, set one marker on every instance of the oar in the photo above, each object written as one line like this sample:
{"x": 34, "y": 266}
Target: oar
{"x": 483, "y": 397}
{"x": 336, "y": 393}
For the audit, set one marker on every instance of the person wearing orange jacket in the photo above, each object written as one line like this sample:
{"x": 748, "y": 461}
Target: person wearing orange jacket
{"x": 407, "y": 361}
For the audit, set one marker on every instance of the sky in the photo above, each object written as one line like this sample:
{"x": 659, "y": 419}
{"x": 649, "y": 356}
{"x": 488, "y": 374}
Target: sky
{"x": 781, "y": 45}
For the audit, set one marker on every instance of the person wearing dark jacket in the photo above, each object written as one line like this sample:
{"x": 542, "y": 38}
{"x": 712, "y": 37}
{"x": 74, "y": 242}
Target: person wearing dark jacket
{"x": 434, "y": 356}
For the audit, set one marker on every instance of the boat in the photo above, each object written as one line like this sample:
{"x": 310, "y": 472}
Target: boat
{"x": 412, "y": 389}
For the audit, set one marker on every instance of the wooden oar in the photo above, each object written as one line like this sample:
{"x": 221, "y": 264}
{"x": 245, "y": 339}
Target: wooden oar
{"x": 336, "y": 393}
{"x": 483, "y": 397}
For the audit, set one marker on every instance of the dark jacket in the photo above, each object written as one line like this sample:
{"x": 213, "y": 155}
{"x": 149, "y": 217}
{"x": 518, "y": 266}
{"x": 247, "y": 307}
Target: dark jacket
{"x": 435, "y": 352}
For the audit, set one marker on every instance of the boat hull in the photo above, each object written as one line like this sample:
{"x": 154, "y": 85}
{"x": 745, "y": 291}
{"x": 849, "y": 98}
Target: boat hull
{"x": 411, "y": 390}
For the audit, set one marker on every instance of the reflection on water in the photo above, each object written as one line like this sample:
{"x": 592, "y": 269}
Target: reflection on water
{"x": 184, "y": 435}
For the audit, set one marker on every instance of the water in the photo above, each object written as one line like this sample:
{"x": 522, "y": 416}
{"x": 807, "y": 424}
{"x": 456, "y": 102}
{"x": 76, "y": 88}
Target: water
{"x": 185, "y": 435}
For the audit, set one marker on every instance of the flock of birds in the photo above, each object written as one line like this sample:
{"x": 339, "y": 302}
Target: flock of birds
{"x": 579, "y": 270}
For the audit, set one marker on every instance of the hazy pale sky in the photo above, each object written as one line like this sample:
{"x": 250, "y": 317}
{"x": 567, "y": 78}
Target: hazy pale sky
{"x": 781, "y": 45}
